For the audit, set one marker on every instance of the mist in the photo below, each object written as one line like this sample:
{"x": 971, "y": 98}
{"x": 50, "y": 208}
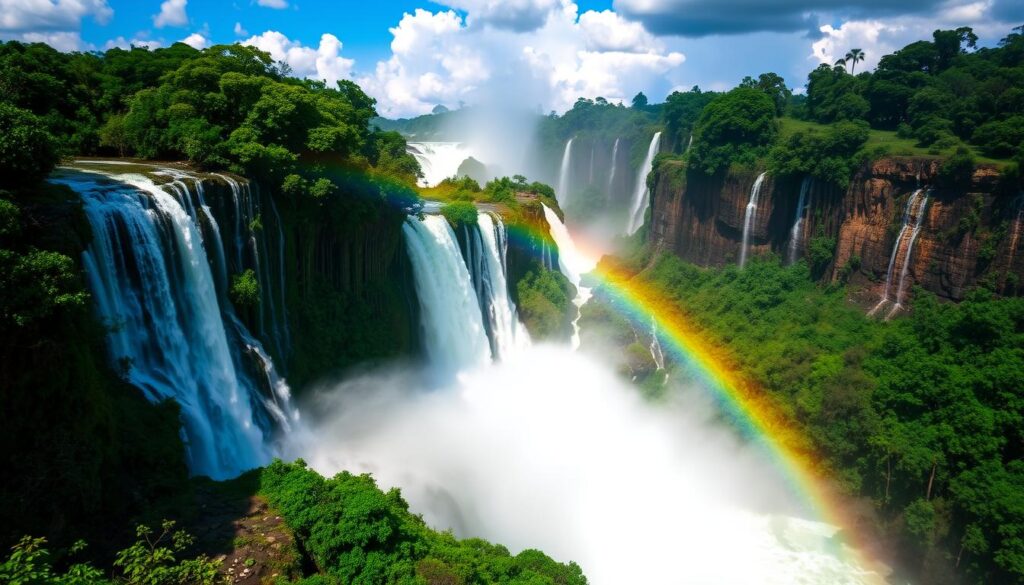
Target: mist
{"x": 552, "y": 450}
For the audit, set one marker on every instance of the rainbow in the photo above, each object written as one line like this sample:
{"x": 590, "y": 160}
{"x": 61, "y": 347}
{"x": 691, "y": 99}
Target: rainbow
{"x": 758, "y": 418}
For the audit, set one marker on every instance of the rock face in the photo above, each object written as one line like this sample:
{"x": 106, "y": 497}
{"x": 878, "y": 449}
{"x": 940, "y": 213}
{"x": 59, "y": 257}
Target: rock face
{"x": 966, "y": 234}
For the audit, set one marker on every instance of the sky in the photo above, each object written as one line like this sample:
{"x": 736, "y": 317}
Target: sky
{"x": 412, "y": 55}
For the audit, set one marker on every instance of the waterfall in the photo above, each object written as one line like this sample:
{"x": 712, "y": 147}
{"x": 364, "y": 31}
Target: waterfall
{"x": 157, "y": 272}
{"x": 562, "y": 194}
{"x": 453, "y": 331}
{"x": 796, "y": 235}
{"x": 913, "y": 218}
{"x": 750, "y": 218}
{"x": 611, "y": 170}
{"x": 689, "y": 143}
{"x": 656, "y": 354}
{"x": 438, "y": 160}
{"x": 641, "y": 195}
{"x": 1015, "y": 232}
{"x": 507, "y": 334}
{"x": 572, "y": 264}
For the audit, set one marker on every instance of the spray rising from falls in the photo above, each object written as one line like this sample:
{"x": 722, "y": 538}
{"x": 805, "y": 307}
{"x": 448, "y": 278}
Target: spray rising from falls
{"x": 913, "y": 219}
{"x": 796, "y": 235}
{"x": 158, "y": 274}
{"x": 750, "y": 218}
{"x": 562, "y": 194}
{"x": 438, "y": 160}
{"x": 641, "y": 195}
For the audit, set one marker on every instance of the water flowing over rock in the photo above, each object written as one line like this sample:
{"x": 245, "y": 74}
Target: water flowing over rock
{"x": 750, "y": 218}
{"x": 611, "y": 167}
{"x": 438, "y": 160}
{"x": 798, "y": 233}
{"x": 913, "y": 219}
{"x": 641, "y": 195}
{"x": 572, "y": 264}
{"x": 562, "y": 193}
{"x": 158, "y": 273}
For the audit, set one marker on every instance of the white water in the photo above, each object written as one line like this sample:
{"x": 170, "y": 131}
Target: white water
{"x": 611, "y": 170}
{"x": 641, "y": 195}
{"x": 656, "y": 354}
{"x": 438, "y": 160}
{"x": 750, "y": 217}
{"x": 149, "y": 272}
{"x": 918, "y": 222}
{"x": 572, "y": 263}
{"x": 796, "y": 235}
{"x": 451, "y": 323}
{"x": 908, "y": 216}
{"x": 552, "y": 450}
{"x": 1015, "y": 232}
{"x": 508, "y": 333}
{"x": 562, "y": 193}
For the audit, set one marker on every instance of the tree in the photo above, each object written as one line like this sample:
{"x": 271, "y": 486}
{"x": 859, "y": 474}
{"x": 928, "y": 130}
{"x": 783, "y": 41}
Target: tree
{"x": 853, "y": 57}
{"x": 639, "y": 101}
{"x": 734, "y": 128}
{"x": 27, "y": 151}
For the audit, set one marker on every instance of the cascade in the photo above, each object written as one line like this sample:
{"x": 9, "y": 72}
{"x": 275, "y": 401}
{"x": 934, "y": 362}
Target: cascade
{"x": 796, "y": 235}
{"x": 562, "y": 194}
{"x": 750, "y": 217}
{"x": 572, "y": 264}
{"x": 507, "y": 333}
{"x": 918, "y": 222}
{"x": 453, "y": 331}
{"x": 689, "y": 143}
{"x": 611, "y": 170}
{"x": 641, "y": 195}
{"x": 913, "y": 212}
{"x": 1015, "y": 232}
{"x": 438, "y": 160}
{"x": 157, "y": 272}
{"x": 656, "y": 354}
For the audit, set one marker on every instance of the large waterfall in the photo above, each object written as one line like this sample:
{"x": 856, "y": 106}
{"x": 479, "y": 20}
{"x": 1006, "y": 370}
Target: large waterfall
{"x": 572, "y": 264}
{"x": 562, "y": 193}
{"x": 158, "y": 272}
{"x": 641, "y": 195}
{"x": 796, "y": 235}
{"x": 750, "y": 217}
{"x": 507, "y": 333}
{"x": 913, "y": 219}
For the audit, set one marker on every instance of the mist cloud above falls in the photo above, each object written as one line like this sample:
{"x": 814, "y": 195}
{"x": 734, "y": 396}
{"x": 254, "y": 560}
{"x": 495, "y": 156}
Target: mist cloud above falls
{"x": 553, "y": 451}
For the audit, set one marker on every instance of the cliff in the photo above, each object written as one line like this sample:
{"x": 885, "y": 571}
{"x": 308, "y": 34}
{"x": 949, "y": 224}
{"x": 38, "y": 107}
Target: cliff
{"x": 968, "y": 233}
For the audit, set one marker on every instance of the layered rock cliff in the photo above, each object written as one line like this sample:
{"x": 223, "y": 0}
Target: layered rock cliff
{"x": 967, "y": 234}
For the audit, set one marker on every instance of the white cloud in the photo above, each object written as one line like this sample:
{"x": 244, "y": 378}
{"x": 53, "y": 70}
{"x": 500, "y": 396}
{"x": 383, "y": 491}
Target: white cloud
{"x": 323, "y": 62}
{"x": 172, "y": 13}
{"x": 124, "y": 43}
{"x": 441, "y": 58}
{"x": 62, "y": 41}
{"x": 518, "y": 15}
{"x": 196, "y": 41}
{"x": 276, "y": 4}
{"x": 239, "y": 30}
{"x": 39, "y": 16}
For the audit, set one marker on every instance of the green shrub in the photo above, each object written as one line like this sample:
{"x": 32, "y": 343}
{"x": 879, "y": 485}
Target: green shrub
{"x": 27, "y": 151}
{"x": 245, "y": 289}
{"x": 460, "y": 213}
{"x": 734, "y": 128}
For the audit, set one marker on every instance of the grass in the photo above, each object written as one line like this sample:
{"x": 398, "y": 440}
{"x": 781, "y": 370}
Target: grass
{"x": 884, "y": 141}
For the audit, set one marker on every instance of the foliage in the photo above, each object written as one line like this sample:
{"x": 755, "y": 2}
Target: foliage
{"x": 459, "y": 213}
{"x": 356, "y": 533}
{"x": 831, "y": 156}
{"x": 544, "y": 299}
{"x": 152, "y": 560}
{"x": 921, "y": 414}
{"x": 27, "y": 151}
{"x": 734, "y": 128}
{"x": 245, "y": 289}
{"x": 681, "y": 112}
{"x": 773, "y": 86}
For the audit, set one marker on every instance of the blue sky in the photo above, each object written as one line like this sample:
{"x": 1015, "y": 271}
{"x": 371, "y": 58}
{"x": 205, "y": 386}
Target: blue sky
{"x": 414, "y": 54}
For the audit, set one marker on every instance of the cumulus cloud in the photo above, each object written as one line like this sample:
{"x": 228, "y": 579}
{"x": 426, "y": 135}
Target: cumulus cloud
{"x": 62, "y": 41}
{"x": 276, "y": 4}
{"x": 172, "y": 13}
{"x": 710, "y": 17}
{"x": 196, "y": 41}
{"x": 323, "y": 62}
{"x": 442, "y": 58}
{"x": 517, "y": 15}
{"x": 40, "y": 16}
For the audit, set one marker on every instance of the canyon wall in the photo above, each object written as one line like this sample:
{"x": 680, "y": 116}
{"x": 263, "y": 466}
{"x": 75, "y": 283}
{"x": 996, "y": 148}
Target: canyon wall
{"x": 968, "y": 233}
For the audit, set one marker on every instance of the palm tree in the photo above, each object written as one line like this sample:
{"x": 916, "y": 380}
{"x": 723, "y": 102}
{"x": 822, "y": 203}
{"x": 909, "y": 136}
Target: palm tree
{"x": 853, "y": 57}
{"x": 840, "y": 63}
